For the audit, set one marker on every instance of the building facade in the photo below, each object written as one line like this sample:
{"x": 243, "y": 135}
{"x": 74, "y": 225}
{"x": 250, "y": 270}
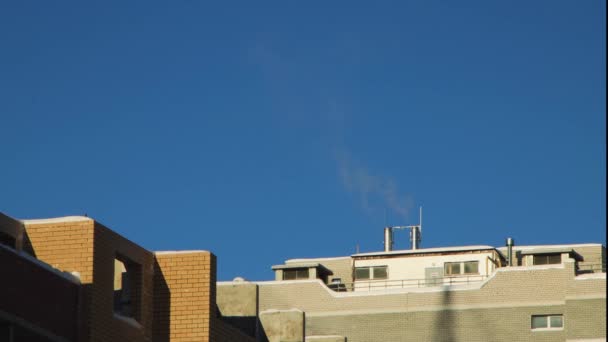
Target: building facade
{"x": 73, "y": 279}
{"x": 468, "y": 293}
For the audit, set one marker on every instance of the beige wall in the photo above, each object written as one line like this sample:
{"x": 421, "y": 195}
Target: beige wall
{"x": 341, "y": 267}
{"x": 474, "y": 325}
{"x": 414, "y": 267}
{"x": 499, "y": 309}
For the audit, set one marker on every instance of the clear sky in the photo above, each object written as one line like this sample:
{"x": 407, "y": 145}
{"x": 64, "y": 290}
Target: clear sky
{"x": 263, "y": 131}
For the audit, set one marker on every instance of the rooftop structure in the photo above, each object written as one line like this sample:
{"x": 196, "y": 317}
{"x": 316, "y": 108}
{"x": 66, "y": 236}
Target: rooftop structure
{"x": 460, "y": 293}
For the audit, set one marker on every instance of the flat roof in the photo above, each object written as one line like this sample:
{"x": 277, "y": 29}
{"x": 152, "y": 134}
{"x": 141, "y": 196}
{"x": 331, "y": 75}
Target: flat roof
{"x": 427, "y": 250}
{"x": 302, "y": 265}
{"x": 533, "y": 247}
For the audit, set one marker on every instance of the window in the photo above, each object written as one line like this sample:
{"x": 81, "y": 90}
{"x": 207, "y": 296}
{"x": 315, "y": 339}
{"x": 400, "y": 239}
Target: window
{"x": 461, "y": 268}
{"x": 362, "y": 273}
{"x": 452, "y": 268}
{"x": 295, "y": 273}
{"x": 127, "y": 281}
{"x": 380, "y": 272}
{"x": 471, "y": 267}
{"x": 547, "y": 322}
{"x": 372, "y": 272}
{"x": 547, "y": 259}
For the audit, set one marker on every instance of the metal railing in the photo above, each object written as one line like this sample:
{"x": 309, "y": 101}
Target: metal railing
{"x": 591, "y": 268}
{"x": 372, "y": 285}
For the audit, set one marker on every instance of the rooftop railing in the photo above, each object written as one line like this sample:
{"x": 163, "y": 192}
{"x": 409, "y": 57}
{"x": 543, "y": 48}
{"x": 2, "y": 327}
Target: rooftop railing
{"x": 373, "y": 285}
{"x": 591, "y": 268}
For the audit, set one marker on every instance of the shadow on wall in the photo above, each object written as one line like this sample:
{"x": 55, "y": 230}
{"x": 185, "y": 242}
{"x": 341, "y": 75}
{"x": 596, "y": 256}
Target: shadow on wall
{"x": 27, "y": 245}
{"x": 244, "y": 320}
{"x": 161, "y": 325}
{"x": 444, "y": 319}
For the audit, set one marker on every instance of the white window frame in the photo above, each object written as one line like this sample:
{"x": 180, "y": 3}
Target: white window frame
{"x": 461, "y": 272}
{"x": 372, "y": 273}
{"x": 548, "y": 327}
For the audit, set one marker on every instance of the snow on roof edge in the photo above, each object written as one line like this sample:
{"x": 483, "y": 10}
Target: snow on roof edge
{"x": 56, "y": 219}
{"x": 180, "y": 252}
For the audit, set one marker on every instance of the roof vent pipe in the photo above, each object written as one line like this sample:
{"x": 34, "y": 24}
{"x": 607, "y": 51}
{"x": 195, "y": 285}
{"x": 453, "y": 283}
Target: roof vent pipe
{"x": 510, "y": 243}
{"x": 388, "y": 239}
{"x": 415, "y": 237}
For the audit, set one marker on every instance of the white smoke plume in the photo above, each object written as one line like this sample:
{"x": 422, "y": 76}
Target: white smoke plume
{"x": 374, "y": 192}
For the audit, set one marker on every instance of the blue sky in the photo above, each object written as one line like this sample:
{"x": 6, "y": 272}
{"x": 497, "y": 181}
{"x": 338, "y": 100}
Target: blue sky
{"x": 267, "y": 131}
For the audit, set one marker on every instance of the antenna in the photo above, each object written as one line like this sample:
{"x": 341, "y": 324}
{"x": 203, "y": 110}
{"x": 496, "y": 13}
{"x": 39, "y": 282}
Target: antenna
{"x": 420, "y": 224}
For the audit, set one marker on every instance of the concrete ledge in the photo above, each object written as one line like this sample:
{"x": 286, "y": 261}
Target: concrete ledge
{"x": 326, "y": 338}
{"x": 283, "y": 325}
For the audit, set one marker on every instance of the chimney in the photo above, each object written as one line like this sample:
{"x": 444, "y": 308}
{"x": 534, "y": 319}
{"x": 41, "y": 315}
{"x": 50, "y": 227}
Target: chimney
{"x": 388, "y": 239}
{"x": 510, "y": 244}
{"x": 415, "y": 237}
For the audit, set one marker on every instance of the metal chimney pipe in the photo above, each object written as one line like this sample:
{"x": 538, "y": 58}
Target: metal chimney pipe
{"x": 415, "y": 236}
{"x": 388, "y": 239}
{"x": 510, "y": 243}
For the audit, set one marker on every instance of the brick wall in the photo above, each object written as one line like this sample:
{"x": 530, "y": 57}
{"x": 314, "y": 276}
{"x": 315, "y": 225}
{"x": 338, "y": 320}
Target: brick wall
{"x": 64, "y": 245}
{"x": 182, "y": 300}
{"x": 87, "y": 247}
{"x": 107, "y": 326}
{"x": 32, "y": 294}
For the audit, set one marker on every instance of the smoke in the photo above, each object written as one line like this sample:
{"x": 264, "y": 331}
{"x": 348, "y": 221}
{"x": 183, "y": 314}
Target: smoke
{"x": 374, "y": 192}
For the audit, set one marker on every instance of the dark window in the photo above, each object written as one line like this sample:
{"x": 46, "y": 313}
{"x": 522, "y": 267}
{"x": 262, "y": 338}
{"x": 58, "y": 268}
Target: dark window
{"x": 380, "y": 272}
{"x": 547, "y": 259}
{"x": 371, "y": 272}
{"x": 295, "y": 273}
{"x": 361, "y": 273}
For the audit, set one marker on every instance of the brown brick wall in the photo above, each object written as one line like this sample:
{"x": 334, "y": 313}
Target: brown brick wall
{"x": 89, "y": 248}
{"x": 176, "y": 291}
{"x": 64, "y": 245}
{"x": 32, "y": 293}
{"x": 106, "y": 327}
{"x": 182, "y": 300}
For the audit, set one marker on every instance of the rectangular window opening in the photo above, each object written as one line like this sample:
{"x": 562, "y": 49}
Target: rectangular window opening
{"x": 547, "y": 259}
{"x": 380, "y": 272}
{"x": 371, "y": 273}
{"x": 127, "y": 292}
{"x": 461, "y": 268}
{"x": 295, "y": 274}
{"x": 362, "y": 273}
{"x": 547, "y": 322}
